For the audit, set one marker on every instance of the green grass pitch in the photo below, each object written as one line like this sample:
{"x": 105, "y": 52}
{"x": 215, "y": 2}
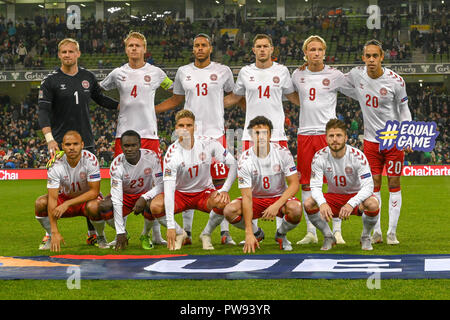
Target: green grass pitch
{"x": 423, "y": 229}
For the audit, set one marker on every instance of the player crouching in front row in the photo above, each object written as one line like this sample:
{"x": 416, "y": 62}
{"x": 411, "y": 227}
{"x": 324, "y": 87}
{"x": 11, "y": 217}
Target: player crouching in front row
{"x": 73, "y": 185}
{"x": 188, "y": 183}
{"x": 350, "y": 186}
{"x": 262, "y": 173}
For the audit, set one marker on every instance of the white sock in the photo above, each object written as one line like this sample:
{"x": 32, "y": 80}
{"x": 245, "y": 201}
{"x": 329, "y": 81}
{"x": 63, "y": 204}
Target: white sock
{"x": 163, "y": 221}
{"x": 279, "y": 221}
{"x": 377, "y": 227}
{"x": 285, "y": 226}
{"x": 156, "y": 229}
{"x": 241, "y": 224}
{"x": 45, "y": 223}
{"x": 110, "y": 223}
{"x": 188, "y": 218}
{"x": 309, "y": 226}
{"x": 395, "y": 205}
{"x": 213, "y": 221}
{"x": 99, "y": 227}
{"x": 224, "y": 225}
{"x": 368, "y": 224}
{"x": 320, "y": 224}
{"x": 337, "y": 225}
{"x": 148, "y": 225}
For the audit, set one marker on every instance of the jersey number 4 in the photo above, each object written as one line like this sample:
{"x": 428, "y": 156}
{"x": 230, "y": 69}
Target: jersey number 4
{"x": 134, "y": 91}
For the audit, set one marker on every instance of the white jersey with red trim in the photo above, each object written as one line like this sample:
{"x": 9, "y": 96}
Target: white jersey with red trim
{"x": 381, "y": 99}
{"x": 204, "y": 89}
{"x": 191, "y": 168}
{"x": 346, "y": 175}
{"x": 143, "y": 177}
{"x": 137, "y": 89}
{"x": 266, "y": 176}
{"x": 263, "y": 90}
{"x": 73, "y": 182}
{"x": 318, "y": 96}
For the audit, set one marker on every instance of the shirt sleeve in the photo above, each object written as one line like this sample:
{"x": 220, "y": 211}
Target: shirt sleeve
{"x": 158, "y": 185}
{"x": 239, "y": 88}
{"x": 365, "y": 176}
{"x": 316, "y": 182}
{"x": 288, "y": 86}
{"x": 401, "y": 98}
{"x": 289, "y": 166}
{"x": 344, "y": 83}
{"x": 165, "y": 81}
{"x": 223, "y": 155}
{"x": 109, "y": 82}
{"x": 117, "y": 199}
{"x": 94, "y": 169}
{"x": 229, "y": 82}
{"x": 53, "y": 180}
{"x": 45, "y": 100}
{"x": 169, "y": 202}
{"x": 244, "y": 175}
{"x": 101, "y": 99}
{"x": 178, "y": 85}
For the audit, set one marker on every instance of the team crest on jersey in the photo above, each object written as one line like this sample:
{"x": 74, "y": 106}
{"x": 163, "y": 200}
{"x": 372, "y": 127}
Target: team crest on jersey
{"x": 348, "y": 170}
{"x": 213, "y": 77}
{"x": 276, "y": 168}
{"x": 147, "y": 78}
{"x": 326, "y": 82}
{"x": 202, "y": 156}
{"x": 276, "y": 79}
{"x": 85, "y": 84}
{"x": 83, "y": 175}
{"x": 147, "y": 171}
{"x": 383, "y": 91}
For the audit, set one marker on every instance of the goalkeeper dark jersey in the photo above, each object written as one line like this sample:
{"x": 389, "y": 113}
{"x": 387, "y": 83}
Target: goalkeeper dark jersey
{"x": 64, "y": 103}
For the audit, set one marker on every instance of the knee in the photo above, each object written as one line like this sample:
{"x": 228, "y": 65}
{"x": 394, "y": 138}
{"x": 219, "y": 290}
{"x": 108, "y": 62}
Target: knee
{"x": 294, "y": 211}
{"x": 309, "y": 204}
{"x": 157, "y": 206}
{"x": 40, "y": 206}
{"x": 231, "y": 210}
{"x": 104, "y": 206}
{"x": 371, "y": 204}
{"x": 92, "y": 209}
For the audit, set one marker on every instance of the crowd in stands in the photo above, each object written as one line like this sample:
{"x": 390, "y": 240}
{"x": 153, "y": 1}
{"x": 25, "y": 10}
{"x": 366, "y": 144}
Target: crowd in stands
{"x": 26, "y": 43}
{"x": 22, "y": 144}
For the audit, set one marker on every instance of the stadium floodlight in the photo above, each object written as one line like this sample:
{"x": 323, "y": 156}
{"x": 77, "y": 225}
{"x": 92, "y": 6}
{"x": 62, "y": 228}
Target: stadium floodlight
{"x": 83, "y": 5}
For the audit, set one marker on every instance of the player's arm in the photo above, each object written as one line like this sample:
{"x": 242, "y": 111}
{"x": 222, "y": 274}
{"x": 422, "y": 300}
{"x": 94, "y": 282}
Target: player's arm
{"x": 365, "y": 192}
{"x": 91, "y": 194}
{"x": 102, "y": 99}
{"x": 293, "y": 98}
{"x": 158, "y": 185}
{"x": 247, "y": 211}
{"x": 293, "y": 186}
{"x": 224, "y": 156}
{"x": 232, "y": 99}
{"x": 170, "y": 103}
{"x": 345, "y": 85}
{"x": 44, "y": 114}
{"x": 169, "y": 204}
{"x": 52, "y": 203}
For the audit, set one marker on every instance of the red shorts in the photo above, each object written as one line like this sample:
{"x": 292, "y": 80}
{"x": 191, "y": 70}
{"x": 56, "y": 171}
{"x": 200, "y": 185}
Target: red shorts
{"x": 261, "y": 204}
{"x": 195, "y": 200}
{"x": 307, "y": 146}
{"x": 78, "y": 210}
{"x": 336, "y": 201}
{"x": 151, "y": 144}
{"x": 219, "y": 170}
{"x": 392, "y": 159}
{"x": 247, "y": 144}
{"x": 129, "y": 200}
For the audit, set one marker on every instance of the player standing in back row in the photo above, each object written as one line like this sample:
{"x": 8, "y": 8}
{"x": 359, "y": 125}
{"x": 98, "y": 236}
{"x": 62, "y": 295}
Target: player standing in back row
{"x": 382, "y": 96}
{"x": 317, "y": 85}
{"x": 137, "y": 82}
{"x": 202, "y": 85}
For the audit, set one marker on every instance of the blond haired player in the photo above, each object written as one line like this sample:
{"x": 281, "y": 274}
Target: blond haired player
{"x": 382, "y": 96}
{"x": 202, "y": 85}
{"x": 317, "y": 85}
{"x": 188, "y": 182}
{"x": 137, "y": 82}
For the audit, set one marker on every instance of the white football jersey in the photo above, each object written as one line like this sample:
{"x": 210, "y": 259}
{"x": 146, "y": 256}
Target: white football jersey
{"x": 203, "y": 89}
{"x": 266, "y": 177}
{"x": 347, "y": 175}
{"x": 140, "y": 178}
{"x": 264, "y": 90}
{"x": 73, "y": 182}
{"x": 137, "y": 89}
{"x": 380, "y": 99}
{"x": 318, "y": 96}
{"x": 191, "y": 168}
